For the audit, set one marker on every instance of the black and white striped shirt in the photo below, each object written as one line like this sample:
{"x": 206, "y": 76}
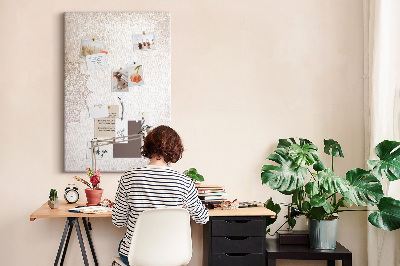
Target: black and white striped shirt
{"x": 153, "y": 187}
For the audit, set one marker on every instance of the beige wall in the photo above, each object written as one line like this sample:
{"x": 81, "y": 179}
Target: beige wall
{"x": 244, "y": 73}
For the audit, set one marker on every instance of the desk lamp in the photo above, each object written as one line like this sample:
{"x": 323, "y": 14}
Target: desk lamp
{"x": 98, "y": 143}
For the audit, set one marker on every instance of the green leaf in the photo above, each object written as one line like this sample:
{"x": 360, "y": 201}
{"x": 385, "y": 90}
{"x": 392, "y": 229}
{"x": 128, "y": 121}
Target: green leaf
{"x": 311, "y": 189}
{"x": 304, "y": 155}
{"x": 319, "y": 166}
{"x": 317, "y": 213}
{"x": 388, "y": 216}
{"x": 320, "y": 201}
{"x": 388, "y": 153}
{"x": 284, "y": 143}
{"x": 332, "y": 146}
{"x": 276, "y": 208}
{"x": 292, "y": 222}
{"x": 364, "y": 188}
{"x": 306, "y": 206}
{"x": 332, "y": 183}
{"x": 287, "y": 176}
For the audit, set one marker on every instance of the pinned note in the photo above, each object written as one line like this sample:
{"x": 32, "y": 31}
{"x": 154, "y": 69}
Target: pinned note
{"x": 104, "y": 127}
{"x": 96, "y": 61}
{"x": 98, "y": 111}
{"x": 121, "y": 128}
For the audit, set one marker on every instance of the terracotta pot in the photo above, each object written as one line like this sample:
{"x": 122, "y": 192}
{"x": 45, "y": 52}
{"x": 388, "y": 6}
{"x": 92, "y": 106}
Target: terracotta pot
{"x": 93, "y": 196}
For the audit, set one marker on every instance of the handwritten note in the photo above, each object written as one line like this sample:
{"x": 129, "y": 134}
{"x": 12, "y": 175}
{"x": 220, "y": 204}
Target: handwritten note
{"x": 96, "y": 61}
{"x": 101, "y": 153}
{"x": 104, "y": 127}
{"x": 113, "y": 111}
{"x": 121, "y": 128}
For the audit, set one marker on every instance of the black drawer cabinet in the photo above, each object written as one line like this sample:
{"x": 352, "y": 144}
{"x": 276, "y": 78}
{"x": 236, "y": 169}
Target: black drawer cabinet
{"x": 234, "y": 241}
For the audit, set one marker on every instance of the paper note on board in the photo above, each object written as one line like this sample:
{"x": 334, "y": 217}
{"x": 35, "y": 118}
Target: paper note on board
{"x": 101, "y": 153}
{"x": 96, "y": 61}
{"x": 121, "y": 128}
{"x": 99, "y": 111}
{"x": 104, "y": 127}
{"x": 113, "y": 111}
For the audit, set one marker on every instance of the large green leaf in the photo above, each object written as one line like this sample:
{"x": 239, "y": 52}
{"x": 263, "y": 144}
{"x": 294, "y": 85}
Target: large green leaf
{"x": 311, "y": 188}
{"x": 276, "y": 208}
{"x": 304, "y": 155}
{"x": 331, "y": 183}
{"x": 320, "y": 201}
{"x": 332, "y": 146}
{"x": 363, "y": 188}
{"x": 317, "y": 213}
{"x": 388, "y": 216}
{"x": 388, "y": 153}
{"x": 287, "y": 176}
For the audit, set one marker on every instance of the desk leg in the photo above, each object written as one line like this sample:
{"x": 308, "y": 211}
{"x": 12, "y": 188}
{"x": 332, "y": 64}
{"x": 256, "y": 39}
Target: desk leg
{"x": 271, "y": 262}
{"x": 78, "y": 232}
{"x": 67, "y": 225}
{"x": 331, "y": 263}
{"x": 66, "y": 243}
{"x": 90, "y": 240}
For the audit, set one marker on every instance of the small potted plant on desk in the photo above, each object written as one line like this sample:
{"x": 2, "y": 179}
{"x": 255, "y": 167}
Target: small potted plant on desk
{"x": 93, "y": 193}
{"x": 319, "y": 194}
{"x": 53, "y": 202}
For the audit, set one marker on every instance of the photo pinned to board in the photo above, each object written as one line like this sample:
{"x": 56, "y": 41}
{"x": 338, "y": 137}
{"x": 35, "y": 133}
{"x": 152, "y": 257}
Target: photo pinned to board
{"x": 143, "y": 42}
{"x": 135, "y": 73}
{"x": 90, "y": 47}
{"x": 119, "y": 81}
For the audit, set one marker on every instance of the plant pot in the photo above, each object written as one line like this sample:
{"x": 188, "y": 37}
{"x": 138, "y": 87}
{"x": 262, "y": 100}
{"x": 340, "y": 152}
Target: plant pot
{"x": 93, "y": 196}
{"x": 53, "y": 204}
{"x": 323, "y": 234}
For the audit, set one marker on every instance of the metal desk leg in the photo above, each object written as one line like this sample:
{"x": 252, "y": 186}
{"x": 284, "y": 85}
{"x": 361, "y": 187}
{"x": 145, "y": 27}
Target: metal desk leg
{"x": 67, "y": 225}
{"x": 90, "y": 241}
{"x": 78, "y": 232}
{"x": 66, "y": 243}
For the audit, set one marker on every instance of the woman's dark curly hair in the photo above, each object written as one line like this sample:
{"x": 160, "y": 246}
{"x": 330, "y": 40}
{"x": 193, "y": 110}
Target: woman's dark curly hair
{"x": 163, "y": 141}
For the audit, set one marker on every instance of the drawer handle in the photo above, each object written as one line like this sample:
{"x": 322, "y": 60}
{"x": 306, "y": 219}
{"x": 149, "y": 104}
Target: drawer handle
{"x": 237, "y": 254}
{"x": 236, "y": 237}
{"x": 237, "y": 221}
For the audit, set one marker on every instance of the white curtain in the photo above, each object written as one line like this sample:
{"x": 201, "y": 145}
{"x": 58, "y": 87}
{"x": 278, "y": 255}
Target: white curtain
{"x": 383, "y": 114}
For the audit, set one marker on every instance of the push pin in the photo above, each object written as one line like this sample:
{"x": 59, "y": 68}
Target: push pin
{"x": 94, "y": 39}
{"x": 144, "y": 33}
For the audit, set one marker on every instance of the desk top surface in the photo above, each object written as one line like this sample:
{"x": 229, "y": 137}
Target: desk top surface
{"x": 62, "y": 212}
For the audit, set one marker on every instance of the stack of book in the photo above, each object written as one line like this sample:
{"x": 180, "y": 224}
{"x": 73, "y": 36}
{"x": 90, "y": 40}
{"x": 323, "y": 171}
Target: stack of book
{"x": 211, "y": 194}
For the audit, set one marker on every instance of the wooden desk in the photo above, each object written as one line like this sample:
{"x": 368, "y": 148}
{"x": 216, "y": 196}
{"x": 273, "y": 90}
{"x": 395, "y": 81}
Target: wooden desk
{"x": 72, "y": 219}
{"x": 235, "y": 237}
{"x": 304, "y": 252}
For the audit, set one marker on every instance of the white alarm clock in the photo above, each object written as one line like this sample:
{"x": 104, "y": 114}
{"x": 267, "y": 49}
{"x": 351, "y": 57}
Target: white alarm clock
{"x": 71, "y": 194}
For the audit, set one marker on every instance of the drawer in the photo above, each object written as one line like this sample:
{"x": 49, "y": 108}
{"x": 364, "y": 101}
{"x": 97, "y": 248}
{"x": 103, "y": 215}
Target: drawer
{"x": 237, "y": 245}
{"x": 238, "y": 227}
{"x": 237, "y": 259}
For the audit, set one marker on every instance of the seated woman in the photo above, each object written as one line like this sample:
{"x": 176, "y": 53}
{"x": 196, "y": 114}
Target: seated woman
{"x": 155, "y": 186}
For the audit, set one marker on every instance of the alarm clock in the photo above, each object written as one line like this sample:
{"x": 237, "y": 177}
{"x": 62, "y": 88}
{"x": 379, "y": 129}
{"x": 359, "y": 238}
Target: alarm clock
{"x": 71, "y": 194}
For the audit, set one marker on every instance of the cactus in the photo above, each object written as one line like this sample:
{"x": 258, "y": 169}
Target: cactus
{"x": 53, "y": 195}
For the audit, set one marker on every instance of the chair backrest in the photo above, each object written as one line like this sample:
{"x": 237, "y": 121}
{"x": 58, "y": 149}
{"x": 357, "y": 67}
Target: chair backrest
{"x": 161, "y": 237}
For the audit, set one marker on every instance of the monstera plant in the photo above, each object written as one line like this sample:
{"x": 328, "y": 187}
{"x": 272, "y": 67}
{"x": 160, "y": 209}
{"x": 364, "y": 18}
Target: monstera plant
{"x": 320, "y": 194}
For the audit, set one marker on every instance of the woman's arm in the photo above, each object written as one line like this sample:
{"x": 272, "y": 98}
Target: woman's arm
{"x": 193, "y": 205}
{"x": 120, "y": 208}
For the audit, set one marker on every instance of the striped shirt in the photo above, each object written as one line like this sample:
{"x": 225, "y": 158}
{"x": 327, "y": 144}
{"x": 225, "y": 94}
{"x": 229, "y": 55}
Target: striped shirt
{"x": 151, "y": 187}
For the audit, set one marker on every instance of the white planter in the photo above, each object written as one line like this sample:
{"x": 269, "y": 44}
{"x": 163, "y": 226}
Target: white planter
{"x": 54, "y": 204}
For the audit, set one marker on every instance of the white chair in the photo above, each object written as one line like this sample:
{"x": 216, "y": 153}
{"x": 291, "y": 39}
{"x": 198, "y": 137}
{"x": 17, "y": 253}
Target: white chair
{"x": 162, "y": 237}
